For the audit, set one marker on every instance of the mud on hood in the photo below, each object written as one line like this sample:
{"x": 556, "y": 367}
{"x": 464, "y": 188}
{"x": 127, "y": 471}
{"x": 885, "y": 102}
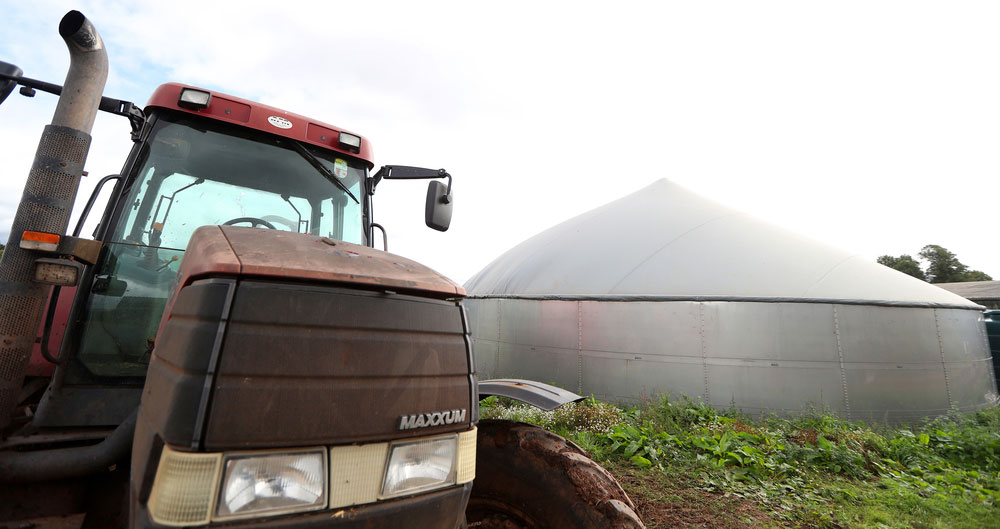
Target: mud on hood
{"x": 277, "y": 254}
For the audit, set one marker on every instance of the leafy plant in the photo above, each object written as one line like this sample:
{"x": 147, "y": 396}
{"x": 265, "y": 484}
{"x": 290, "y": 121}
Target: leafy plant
{"x": 815, "y": 470}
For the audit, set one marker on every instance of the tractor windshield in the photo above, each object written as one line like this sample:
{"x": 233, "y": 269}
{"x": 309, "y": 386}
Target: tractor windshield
{"x": 196, "y": 172}
{"x": 195, "y": 176}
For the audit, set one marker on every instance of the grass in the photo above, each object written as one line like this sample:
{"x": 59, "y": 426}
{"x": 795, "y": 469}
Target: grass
{"x": 686, "y": 464}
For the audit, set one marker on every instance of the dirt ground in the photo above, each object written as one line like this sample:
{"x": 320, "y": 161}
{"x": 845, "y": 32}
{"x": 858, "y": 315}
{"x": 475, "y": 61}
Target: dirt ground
{"x": 665, "y": 504}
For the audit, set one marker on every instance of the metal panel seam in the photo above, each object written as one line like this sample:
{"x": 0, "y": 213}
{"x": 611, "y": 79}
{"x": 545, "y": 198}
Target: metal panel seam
{"x": 944, "y": 365}
{"x": 704, "y": 351}
{"x": 201, "y": 420}
{"x": 840, "y": 359}
{"x": 467, "y": 336}
{"x": 579, "y": 346}
{"x": 496, "y": 356}
{"x": 744, "y": 299}
{"x": 473, "y": 382}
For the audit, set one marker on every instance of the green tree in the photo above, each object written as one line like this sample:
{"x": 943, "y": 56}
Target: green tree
{"x": 976, "y": 275}
{"x": 905, "y": 264}
{"x": 944, "y": 266}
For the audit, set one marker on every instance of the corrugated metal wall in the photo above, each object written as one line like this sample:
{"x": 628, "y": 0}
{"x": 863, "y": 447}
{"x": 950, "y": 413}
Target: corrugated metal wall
{"x": 863, "y": 362}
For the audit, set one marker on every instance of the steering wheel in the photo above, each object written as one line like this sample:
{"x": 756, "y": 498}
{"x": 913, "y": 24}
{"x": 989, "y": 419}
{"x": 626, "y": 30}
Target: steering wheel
{"x": 254, "y": 222}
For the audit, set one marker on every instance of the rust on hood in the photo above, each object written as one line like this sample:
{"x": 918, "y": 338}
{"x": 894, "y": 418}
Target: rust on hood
{"x": 283, "y": 255}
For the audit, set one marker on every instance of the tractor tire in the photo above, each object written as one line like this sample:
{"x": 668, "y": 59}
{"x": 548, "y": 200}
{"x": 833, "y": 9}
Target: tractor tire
{"x": 530, "y": 478}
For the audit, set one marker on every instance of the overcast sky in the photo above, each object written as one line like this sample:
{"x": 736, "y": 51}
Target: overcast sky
{"x": 872, "y": 126}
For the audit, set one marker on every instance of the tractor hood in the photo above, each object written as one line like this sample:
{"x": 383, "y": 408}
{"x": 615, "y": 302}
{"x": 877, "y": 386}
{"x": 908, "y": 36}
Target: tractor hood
{"x": 256, "y": 252}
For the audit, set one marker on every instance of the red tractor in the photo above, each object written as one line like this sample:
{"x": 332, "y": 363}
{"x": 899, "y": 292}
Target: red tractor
{"x": 231, "y": 350}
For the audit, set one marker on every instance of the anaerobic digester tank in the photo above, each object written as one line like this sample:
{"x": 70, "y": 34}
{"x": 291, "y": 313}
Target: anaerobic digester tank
{"x": 666, "y": 292}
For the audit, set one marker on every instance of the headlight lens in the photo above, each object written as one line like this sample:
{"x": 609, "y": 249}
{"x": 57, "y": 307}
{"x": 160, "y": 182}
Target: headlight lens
{"x": 272, "y": 483}
{"x": 184, "y": 486}
{"x": 420, "y": 465}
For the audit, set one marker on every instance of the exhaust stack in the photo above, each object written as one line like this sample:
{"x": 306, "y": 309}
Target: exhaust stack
{"x": 47, "y": 201}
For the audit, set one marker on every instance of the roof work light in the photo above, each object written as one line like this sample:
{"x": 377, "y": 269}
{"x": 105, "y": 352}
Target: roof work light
{"x": 194, "y": 99}
{"x": 350, "y": 142}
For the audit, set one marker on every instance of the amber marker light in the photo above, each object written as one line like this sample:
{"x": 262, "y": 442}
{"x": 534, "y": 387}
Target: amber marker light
{"x": 39, "y": 240}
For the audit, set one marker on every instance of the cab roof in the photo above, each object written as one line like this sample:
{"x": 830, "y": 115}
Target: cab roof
{"x": 231, "y": 109}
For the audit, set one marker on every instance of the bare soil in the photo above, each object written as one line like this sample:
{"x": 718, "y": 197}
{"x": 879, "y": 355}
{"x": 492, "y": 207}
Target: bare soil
{"x": 666, "y": 502}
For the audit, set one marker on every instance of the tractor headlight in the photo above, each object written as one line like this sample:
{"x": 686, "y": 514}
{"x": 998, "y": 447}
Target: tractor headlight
{"x": 274, "y": 483}
{"x": 184, "y": 487}
{"x": 192, "y": 488}
{"x": 417, "y": 466}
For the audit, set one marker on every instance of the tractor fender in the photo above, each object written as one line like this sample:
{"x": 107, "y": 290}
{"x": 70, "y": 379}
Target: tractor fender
{"x": 530, "y": 392}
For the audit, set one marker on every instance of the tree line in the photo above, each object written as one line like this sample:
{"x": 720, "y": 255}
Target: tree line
{"x": 942, "y": 266}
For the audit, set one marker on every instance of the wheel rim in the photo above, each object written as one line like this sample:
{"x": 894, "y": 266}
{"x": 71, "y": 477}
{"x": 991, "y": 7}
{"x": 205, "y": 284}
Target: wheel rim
{"x": 494, "y": 514}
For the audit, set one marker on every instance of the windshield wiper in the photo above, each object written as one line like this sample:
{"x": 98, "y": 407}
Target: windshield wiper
{"x": 314, "y": 161}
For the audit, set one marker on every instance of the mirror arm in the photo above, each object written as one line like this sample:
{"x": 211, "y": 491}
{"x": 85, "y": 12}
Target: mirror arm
{"x": 111, "y": 105}
{"x": 447, "y": 194}
{"x": 32, "y": 84}
{"x": 437, "y": 210}
{"x": 374, "y": 179}
{"x": 406, "y": 172}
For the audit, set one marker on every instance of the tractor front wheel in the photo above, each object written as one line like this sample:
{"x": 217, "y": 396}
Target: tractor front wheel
{"x": 530, "y": 478}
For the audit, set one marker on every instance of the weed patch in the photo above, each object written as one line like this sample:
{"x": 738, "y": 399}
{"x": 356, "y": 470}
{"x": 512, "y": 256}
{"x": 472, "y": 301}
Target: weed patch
{"x": 814, "y": 471}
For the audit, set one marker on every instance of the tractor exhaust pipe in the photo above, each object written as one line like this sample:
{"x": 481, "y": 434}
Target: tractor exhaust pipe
{"x": 47, "y": 202}
{"x": 88, "y": 71}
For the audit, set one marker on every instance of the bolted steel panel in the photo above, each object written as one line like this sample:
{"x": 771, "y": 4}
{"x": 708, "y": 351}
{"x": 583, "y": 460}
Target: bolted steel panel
{"x": 888, "y": 334}
{"x": 610, "y": 326}
{"x": 552, "y": 324}
{"x": 625, "y": 378}
{"x": 862, "y": 362}
{"x": 556, "y": 366}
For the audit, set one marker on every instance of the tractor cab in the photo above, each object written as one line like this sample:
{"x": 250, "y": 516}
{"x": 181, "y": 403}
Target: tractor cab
{"x": 201, "y": 159}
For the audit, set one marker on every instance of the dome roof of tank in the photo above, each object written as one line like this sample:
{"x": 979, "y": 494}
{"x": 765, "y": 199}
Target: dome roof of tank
{"x": 665, "y": 241}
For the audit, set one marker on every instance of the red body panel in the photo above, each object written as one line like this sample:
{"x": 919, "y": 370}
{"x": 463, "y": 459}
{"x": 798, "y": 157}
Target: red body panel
{"x": 255, "y": 115}
{"x": 38, "y": 366}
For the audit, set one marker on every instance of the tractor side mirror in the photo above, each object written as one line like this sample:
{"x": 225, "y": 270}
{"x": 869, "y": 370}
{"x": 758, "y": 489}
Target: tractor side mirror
{"x": 437, "y": 213}
{"x": 7, "y": 85}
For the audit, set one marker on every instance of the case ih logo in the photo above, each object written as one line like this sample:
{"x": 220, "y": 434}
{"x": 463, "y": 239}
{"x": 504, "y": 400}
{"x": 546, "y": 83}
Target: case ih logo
{"x": 279, "y": 122}
{"x": 437, "y": 418}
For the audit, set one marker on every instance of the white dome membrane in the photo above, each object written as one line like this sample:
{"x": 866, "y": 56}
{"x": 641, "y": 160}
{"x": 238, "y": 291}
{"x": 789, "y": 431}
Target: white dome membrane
{"x": 667, "y": 242}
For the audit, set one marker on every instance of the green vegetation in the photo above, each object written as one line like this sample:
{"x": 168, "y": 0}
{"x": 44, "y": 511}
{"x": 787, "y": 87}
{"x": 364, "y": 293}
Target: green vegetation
{"x": 904, "y": 263}
{"x": 942, "y": 266}
{"x": 688, "y": 465}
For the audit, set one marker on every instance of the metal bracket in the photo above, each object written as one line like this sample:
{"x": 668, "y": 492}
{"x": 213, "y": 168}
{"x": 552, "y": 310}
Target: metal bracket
{"x": 108, "y": 104}
{"x": 406, "y": 172}
{"x": 85, "y": 250}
